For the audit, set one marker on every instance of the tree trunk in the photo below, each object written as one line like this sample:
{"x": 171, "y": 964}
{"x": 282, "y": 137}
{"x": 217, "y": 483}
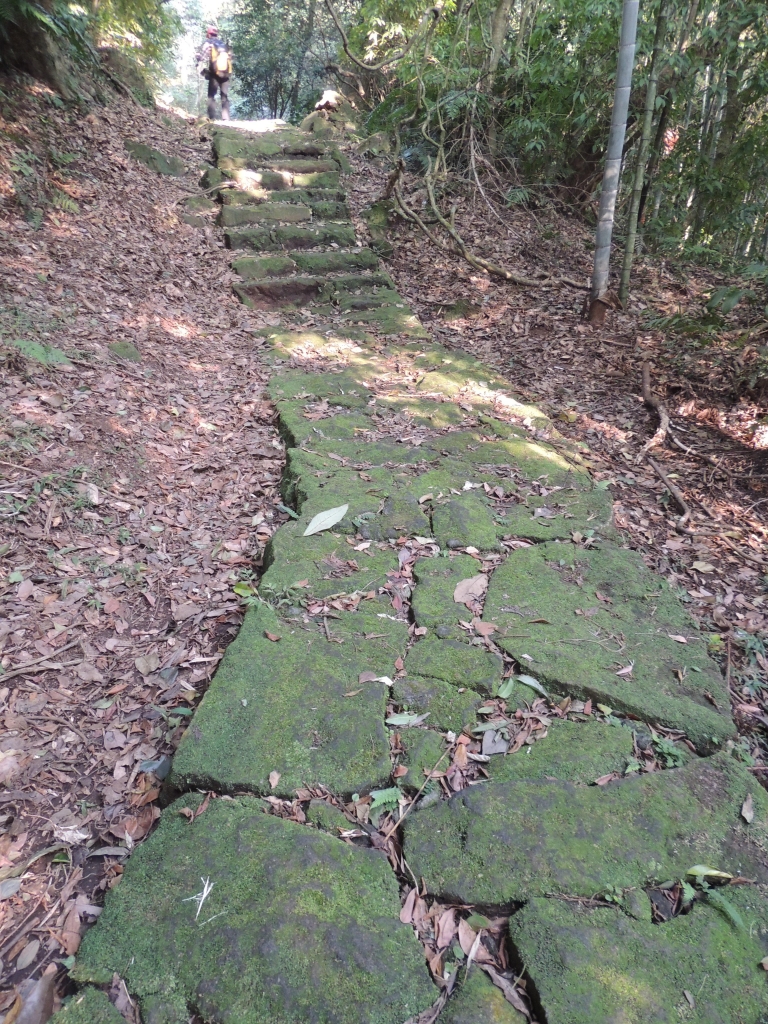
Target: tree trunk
{"x": 612, "y": 173}
{"x": 499, "y": 25}
{"x": 642, "y": 154}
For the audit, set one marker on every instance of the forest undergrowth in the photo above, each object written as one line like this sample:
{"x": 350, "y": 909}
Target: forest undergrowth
{"x": 712, "y": 547}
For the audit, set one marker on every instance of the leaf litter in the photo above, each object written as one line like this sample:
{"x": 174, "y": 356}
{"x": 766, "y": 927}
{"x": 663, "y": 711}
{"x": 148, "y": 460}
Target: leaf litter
{"x": 137, "y": 492}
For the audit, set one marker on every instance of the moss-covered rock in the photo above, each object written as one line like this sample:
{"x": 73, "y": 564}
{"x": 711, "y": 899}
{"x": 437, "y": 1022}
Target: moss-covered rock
{"x": 48, "y": 355}
{"x": 89, "y": 1006}
{"x": 252, "y": 268}
{"x": 376, "y": 217}
{"x": 199, "y": 204}
{"x": 333, "y": 262}
{"x": 283, "y": 706}
{"x": 464, "y": 521}
{"x": 478, "y": 1001}
{"x": 422, "y": 749}
{"x": 326, "y": 562}
{"x": 326, "y": 817}
{"x": 264, "y": 213}
{"x": 456, "y": 662}
{"x": 598, "y": 965}
{"x": 448, "y": 708}
{"x": 289, "y": 237}
{"x": 504, "y": 842}
{"x": 154, "y": 159}
{"x": 599, "y": 611}
{"x": 436, "y": 580}
{"x": 298, "y": 926}
{"x": 575, "y": 751}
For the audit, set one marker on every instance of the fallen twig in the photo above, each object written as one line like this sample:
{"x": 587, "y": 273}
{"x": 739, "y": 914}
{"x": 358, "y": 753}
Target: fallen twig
{"x": 653, "y": 403}
{"x": 415, "y": 799}
{"x": 20, "y": 670}
{"x": 673, "y": 490}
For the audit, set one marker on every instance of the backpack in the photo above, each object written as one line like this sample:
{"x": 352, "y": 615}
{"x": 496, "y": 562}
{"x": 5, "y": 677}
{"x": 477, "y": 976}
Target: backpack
{"x": 221, "y": 62}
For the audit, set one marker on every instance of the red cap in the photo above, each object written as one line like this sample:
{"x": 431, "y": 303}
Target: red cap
{"x": 211, "y": 31}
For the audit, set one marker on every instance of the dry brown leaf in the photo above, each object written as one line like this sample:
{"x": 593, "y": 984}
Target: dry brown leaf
{"x": 406, "y": 912}
{"x": 274, "y": 778}
{"x": 748, "y": 809}
{"x": 470, "y": 590}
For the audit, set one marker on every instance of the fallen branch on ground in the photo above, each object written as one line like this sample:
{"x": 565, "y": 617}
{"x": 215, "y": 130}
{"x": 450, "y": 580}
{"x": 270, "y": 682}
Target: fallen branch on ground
{"x": 653, "y": 403}
{"x": 470, "y": 257}
{"x": 393, "y": 179}
{"x": 673, "y": 490}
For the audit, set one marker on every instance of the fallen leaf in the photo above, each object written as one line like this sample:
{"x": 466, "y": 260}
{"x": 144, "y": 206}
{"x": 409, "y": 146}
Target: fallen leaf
{"x": 70, "y": 932}
{"x": 25, "y": 589}
{"x": 703, "y": 567}
{"x": 533, "y": 683}
{"x": 470, "y": 590}
{"x": 406, "y": 913}
{"x": 28, "y": 954}
{"x": 484, "y": 628}
{"x": 272, "y": 636}
{"x": 274, "y": 778}
{"x": 748, "y": 810}
{"x": 467, "y": 936}
{"x": 148, "y": 664}
{"x": 325, "y": 520}
{"x": 353, "y": 693}
{"x": 679, "y": 639}
{"x": 627, "y": 670}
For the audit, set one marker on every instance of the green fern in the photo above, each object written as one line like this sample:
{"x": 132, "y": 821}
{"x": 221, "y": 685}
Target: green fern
{"x": 65, "y": 202}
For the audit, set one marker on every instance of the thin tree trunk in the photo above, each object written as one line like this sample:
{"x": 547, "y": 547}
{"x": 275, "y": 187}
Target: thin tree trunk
{"x": 612, "y": 173}
{"x": 645, "y": 143}
{"x": 499, "y": 25}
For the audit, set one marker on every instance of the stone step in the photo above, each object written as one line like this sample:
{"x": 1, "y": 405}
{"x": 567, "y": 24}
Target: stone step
{"x": 290, "y": 237}
{"x": 264, "y": 213}
{"x": 278, "y": 181}
{"x": 232, "y": 143}
{"x": 253, "y": 268}
{"x": 301, "y": 291}
{"x": 306, "y": 196}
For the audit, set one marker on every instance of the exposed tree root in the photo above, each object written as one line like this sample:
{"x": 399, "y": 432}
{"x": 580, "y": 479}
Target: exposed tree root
{"x": 673, "y": 490}
{"x": 654, "y": 403}
{"x": 470, "y": 257}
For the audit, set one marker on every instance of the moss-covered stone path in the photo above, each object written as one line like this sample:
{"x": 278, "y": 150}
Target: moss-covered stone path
{"x": 472, "y": 599}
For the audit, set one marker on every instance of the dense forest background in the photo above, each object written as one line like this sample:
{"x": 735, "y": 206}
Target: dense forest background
{"x": 512, "y": 97}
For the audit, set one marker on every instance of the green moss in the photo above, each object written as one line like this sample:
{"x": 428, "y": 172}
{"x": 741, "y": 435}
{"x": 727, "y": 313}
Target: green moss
{"x": 580, "y": 654}
{"x": 326, "y": 817}
{"x": 421, "y": 750}
{"x": 324, "y": 560}
{"x": 333, "y": 262}
{"x": 389, "y": 320}
{"x": 264, "y": 213}
{"x": 278, "y": 706}
{"x": 598, "y": 965}
{"x": 464, "y": 521}
{"x": 558, "y": 515}
{"x": 377, "y": 218}
{"x": 436, "y": 579}
{"x": 199, "y": 204}
{"x": 448, "y": 709}
{"x": 252, "y": 268}
{"x": 298, "y": 926}
{"x": 89, "y": 1006}
{"x": 212, "y": 178}
{"x": 478, "y": 1001}
{"x": 453, "y": 661}
{"x": 125, "y": 350}
{"x": 370, "y": 299}
{"x": 575, "y": 751}
{"x": 504, "y": 842}
{"x": 154, "y": 159}
{"x": 48, "y": 355}
{"x": 289, "y": 237}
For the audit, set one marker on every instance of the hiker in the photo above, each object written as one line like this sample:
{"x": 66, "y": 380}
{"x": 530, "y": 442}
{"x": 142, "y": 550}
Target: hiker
{"x": 214, "y": 62}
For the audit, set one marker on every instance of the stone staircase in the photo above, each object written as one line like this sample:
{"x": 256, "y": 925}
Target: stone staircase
{"x": 470, "y": 602}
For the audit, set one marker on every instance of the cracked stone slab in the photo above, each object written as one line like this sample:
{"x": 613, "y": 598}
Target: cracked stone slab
{"x": 478, "y": 1001}
{"x": 453, "y": 661}
{"x": 280, "y": 706}
{"x": 298, "y": 926}
{"x": 586, "y": 639}
{"x": 574, "y": 751}
{"x": 432, "y": 601}
{"x": 503, "y": 842}
{"x": 590, "y": 965}
{"x": 448, "y": 709}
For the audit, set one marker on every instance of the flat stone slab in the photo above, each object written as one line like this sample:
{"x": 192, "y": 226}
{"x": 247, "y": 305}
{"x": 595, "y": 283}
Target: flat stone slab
{"x": 448, "y": 707}
{"x": 282, "y": 706}
{"x": 454, "y": 661}
{"x": 598, "y": 965}
{"x": 584, "y": 616}
{"x": 500, "y": 843}
{"x": 574, "y": 751}
{"x": 289, "y": 237}
{"x": 298, "y": 926}
{"x": 154, "y": 159}
{"x": 269, "y": 213}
